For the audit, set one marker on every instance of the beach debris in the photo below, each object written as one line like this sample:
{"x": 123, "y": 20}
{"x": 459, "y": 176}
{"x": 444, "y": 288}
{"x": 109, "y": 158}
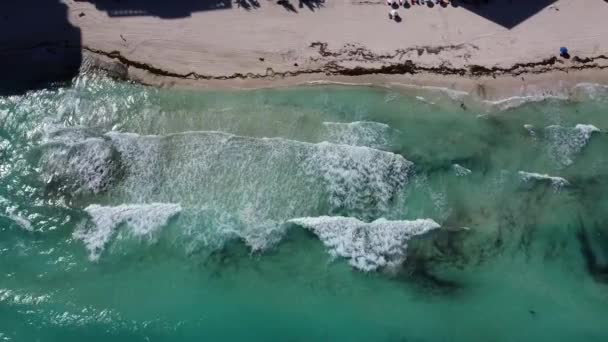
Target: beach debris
{"x": 563, "y": 52}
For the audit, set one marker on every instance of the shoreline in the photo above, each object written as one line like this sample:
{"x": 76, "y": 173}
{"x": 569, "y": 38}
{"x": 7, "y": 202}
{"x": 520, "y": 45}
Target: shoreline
{"x": 487, "y": 91}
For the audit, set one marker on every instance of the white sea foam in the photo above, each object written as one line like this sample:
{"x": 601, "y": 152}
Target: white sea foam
{"x": 517, "y": 101}
{"x": 580, "y": 92}
{"x": 139, "y": 220}
{"x": 87, "y": 316}
{"x": 353, "y": 177}
{"x": 359, "y": 133}
{"x": 213, "y": 173}
{"x": 529, "y": 128}
{"x": 21, "y": 221}
{"x": 367, "y": 246}
{"x": 434, "y": 92}
{"x": 586, "y": 130}
{"x": 566, "y": 142}
{"x": 11, "y": 213}
{"x": 12, "y": 297}
{"x": 461, "y": 170}
{"x": 556, "y": 182}
{"x": 358, "y": 178}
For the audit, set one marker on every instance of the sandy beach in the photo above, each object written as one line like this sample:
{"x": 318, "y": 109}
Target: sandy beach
{"x": 494, "y": 50}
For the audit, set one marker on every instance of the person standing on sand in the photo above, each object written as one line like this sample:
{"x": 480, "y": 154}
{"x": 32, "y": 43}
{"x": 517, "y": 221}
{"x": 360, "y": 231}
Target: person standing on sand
{"x": 394, "y": 15}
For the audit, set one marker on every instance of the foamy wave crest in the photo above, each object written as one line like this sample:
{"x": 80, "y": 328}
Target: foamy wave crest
{"x": 566, "y": 142}
{"x": 556, "y": 182}
{"x": 250, "y": 186}
{"x": 357, "y": 177}
{"x": 367, "y": 246}
{"x": 461, "y": 170}
{"x": 206, "y": 165}
{"x": 359, "y": 133}
{"x": 13, "y": 297}
{"x": 139, "y": 220}
{"x": 517, "y": 101}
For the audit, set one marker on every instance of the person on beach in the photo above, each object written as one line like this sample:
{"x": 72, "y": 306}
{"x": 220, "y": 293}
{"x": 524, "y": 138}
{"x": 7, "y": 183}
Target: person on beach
{"x": 394, "y": 15}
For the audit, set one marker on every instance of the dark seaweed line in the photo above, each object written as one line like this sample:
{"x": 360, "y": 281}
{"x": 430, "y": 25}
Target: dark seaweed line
{"x": 407, "y": 67}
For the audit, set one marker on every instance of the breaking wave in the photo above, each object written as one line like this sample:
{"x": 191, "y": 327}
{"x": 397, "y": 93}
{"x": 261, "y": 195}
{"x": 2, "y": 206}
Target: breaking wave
{"x": 566, "y": 142}
{"x": 556, "y": 182}
{"x": 367, "y": 246}
{"x": 138, "y": 220}
{"x": 198, "y": 168}
{"x": 221, "y": 182}
{"x": 460, "y": 170}
{"x": 359, "y": 133}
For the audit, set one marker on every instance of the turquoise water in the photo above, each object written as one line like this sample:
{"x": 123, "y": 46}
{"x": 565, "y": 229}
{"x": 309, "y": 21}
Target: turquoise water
{"x": 318, "y": 213}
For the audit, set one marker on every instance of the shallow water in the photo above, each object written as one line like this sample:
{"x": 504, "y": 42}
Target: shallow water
{"x": 319, "y": 213}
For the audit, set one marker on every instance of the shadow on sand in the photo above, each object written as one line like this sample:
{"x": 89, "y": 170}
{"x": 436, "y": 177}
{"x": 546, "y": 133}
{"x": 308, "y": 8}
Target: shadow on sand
{"x": 167, "y": 9}
{"x": 507, "y": 13}
{"x": 312, "y": 5}
{"x": 38, "y": 45}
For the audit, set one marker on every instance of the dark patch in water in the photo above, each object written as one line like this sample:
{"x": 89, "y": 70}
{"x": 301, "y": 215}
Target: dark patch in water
{"x": 438, "y": 248}
{"x": 424, "y": 164}
{"x": 227, "y": 258}
{"x": 418, "y": 271}
{"x": 598, "y": 271}
{"x": 449, "y": 245}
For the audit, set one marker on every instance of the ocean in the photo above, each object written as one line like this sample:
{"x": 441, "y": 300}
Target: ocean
{"x": 317, "y": 213}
